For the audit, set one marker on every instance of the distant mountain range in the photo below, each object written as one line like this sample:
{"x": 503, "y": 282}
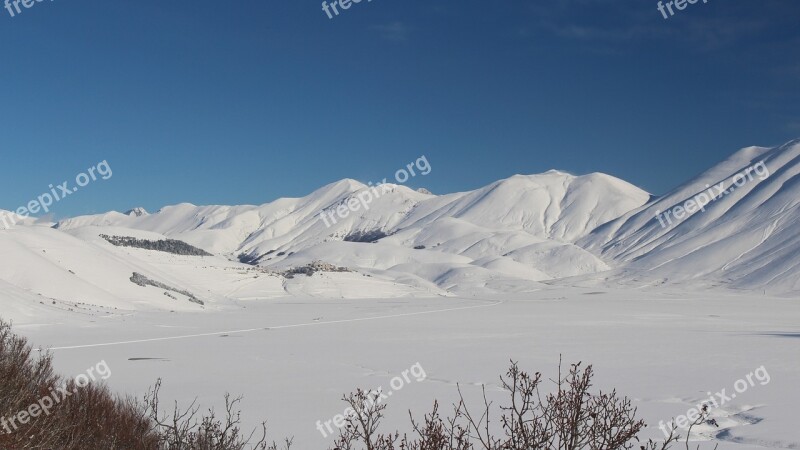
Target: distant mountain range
{"x": 508, "y": 236}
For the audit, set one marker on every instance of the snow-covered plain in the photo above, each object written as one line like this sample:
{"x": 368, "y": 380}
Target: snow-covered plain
{"x": 292, "y": 359}
{"x": 529, "y": 268}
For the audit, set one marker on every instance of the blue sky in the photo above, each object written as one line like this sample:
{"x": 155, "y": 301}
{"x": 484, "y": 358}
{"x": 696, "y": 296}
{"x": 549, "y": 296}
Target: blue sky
{"x": 246, "y": 101}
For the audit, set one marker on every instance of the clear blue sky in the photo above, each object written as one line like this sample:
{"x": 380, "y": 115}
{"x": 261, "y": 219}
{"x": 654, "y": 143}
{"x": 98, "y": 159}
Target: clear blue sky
{"x": 244, "y": 101}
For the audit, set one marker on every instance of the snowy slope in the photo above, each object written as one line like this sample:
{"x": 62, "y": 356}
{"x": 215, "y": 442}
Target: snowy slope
{"x": 45, "y": 271}
{"x": 748, "y": 238}
{"x": 520, "y": 228}
{"x": 552, "y": 205}
{"x": 507, "y": 236}
{"x": 64, "y": 270}
{"x": 461, "y": 284}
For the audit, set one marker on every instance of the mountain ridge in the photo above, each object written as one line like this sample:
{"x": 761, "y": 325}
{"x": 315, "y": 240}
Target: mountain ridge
{"x": 511, "y": 235}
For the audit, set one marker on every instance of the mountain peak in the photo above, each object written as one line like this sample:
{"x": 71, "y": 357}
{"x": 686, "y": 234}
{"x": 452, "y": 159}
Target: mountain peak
{"x": 137, "y": 212}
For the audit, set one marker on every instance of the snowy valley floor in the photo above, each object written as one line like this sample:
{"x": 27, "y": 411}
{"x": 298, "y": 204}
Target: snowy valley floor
{"x": 292, "y": 359}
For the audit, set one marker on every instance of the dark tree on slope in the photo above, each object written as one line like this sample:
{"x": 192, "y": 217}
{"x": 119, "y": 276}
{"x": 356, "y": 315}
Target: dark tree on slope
{"x": 368, "y": 236}
{"x": 165, "y": 245}
{"x": 143, "y": 281}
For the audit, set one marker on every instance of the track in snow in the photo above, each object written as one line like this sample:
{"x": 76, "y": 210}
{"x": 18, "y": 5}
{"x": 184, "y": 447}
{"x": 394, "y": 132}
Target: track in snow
{"x": 279, "y": 327}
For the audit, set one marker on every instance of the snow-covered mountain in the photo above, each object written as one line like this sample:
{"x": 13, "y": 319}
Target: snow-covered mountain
{"x": 390, "y": 241}
{"x": 504, "y": 237}
{"x": 746, "y": 238}
{"x": 520, "y": 227}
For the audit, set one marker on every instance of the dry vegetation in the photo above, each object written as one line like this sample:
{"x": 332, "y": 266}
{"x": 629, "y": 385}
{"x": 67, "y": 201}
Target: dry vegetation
{"x": 568, "y": 418}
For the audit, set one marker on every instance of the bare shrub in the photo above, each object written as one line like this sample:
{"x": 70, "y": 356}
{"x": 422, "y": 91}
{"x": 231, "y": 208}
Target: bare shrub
{"x": 186, "y": 430}
{"x": 704, "y": 417}
{"x": 570, "y": 418}
{"x": 91, "y": 417}
{"x": 361, "y": 427}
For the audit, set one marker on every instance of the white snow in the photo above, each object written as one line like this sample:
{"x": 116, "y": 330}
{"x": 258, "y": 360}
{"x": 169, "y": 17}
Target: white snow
{"x": 292, "y": 359}
{"x": 526, "y": 268}
{"x": 748, "y": 239}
